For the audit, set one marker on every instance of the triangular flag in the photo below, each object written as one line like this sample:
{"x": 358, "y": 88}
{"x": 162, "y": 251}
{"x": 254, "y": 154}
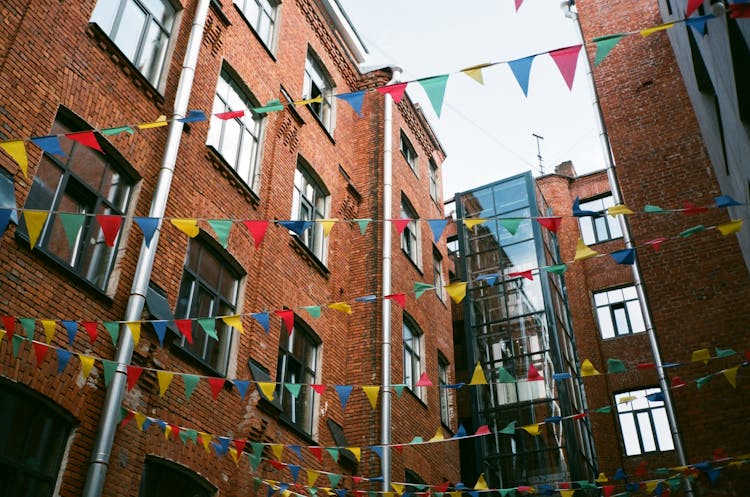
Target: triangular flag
{"x": 521, "y": 69}
{"x": 87, "y": 138}
{"x": 400, "y": 224}
{"x": 287, "y": 317}
{"x": 435, "y": 89}
{"x": 49, "y": 329}
{"x": 293, "y": 388}
{"x": 731, "y": 375}
{"x": 475, "y": 72}
{"x": 341, "y": 307}
{"x": 398, "y": 487}
{"x": 725, "y": 201}
{"x": 297, "y": 227}
{"x": 470, "y": 223}
{"x": 550, "y": 223}
{"x": 533, "y": 430}
{"x": 510, "y": 429}
{"x": 134, "y": 372}
{"x": 63, "y": 357}
{"x": 378, "y": 450}
{"x": 17, "y": 151}
{"x": 649, "y": 31}
{"x": 577, "y": 212}
{"x": 209, "y": 327}
{"x": 625, "y": 256}
{"x": 510, "y": 224}
{"x": 242, "y": 386}
{"x": 399, "y": 389}
{"x": 588, "y": 369}
{"x": 262, "y": 318}
{"x": 232, "y": 114}
{"x": 362, "y": 224}
{"x": 354, "y": 99}
{"x": 533, "y": 374}
{"x": 193, "y": 116}
{"x": 116, "y": 131}
{"x": 186, "y": 328}
{"x": 396, "y": 91}
{"x": 503, "y": 376}
{"x": 604, "y": 45}
{"x": 616, "y": 366}
{"x": 91, "y": 331}
{"x": 110, "y": 368}
{"x": 187, "y": 226}
{"x": 334, "y": 453}
{"x": 692, "y": 6}
{"x": 607, "y": 490}
{"x": 40, "y": 352}
{"x": 190, "y": 381}
{"x": 343, "y": 391}
{"x": 293, "y": 471}
{"x": 437, "y": 226}
{"x": 135, "y": 331}
{"x": 399, "y": 298}
{"x": 49, "y": 144}
{"x": 567, "y": 493}
{"x": 28, "y": 325}
{"x": 16, "y": 344}
{"x": 217, "y": 384}
{"x": 34, "y": 222}
{"x": 314, "y": 100}
{"x": 457, "y": 291}
{"x": 653, "y": 209}
{"x": 583, "y": 252}
{"x": 319, "y": 389}
{"x": 619, "y": 210}
{"x": 725, "y": 352}
{"x": 222, "y": 228}
{"x": 72, "y": 328}
{"x": 561, "y": 376}
{"x": 558, "y": 269}
{"x": 490, "y": 279}
{"x": 312, "y": 477}
{"x": 274, "y": 105}
{"x": 701, "y": 355}
{"x": 481, "y": 483}
{"x": 148, "y": 226}
{"x": 267, "y": 388}
{"x": 313, "y": 310}
{"x": 257, "y": 230}
{"x": 566, "y": 60}
{"x": 420, "y": 288}
{"x": 522, "y": 274}
{"x": 158, "y": 123}
{"x": 372, "y": 394}
{"x": 356, "y": 452}
{"x": 478, "y": 377}
{"x": 317, "y": 452}
{"x": 731, "y": 227}
{"x": 234, "y": 321}
{"x": 327, "y": 225}
{"x": 424, "y": 380}
{"x": 164, "y": 378}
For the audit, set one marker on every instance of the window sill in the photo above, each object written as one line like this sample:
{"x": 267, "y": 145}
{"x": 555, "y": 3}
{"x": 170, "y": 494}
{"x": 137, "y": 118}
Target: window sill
{"x": 296, "y": 429}
{"x": 328, "y": 133}
{"x": 406, "y": 254}
{"x": 307, "y": 254}
{"x": 191, "y": 357}
{"x": 262, "y": 42}
{"x": 619, "y": 337}
{"x": 129, "y": 70}
{"x": 213, "y": 156}
{"x": 414, "y": 394}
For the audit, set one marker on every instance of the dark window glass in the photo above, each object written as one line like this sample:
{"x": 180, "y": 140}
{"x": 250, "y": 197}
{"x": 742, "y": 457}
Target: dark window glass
{"x": 298, "y": 363}
{"x": 162, "y": 478}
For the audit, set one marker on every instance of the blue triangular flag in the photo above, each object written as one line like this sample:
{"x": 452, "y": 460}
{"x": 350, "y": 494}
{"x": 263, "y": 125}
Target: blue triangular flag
{"x": 473, "y": 493}
{"x": 146, "y": 423}
{"x": 297, "y": 227}
{"x": 461, "y": 432}
{"x": 148, "y": 226}
{"x": 577, "y": 212}
{"x": 297, "y": 450}
{"x": 632, "y": 487}
{"x": 262, "y": 318}
{"x": 553, "y": 419}
{"x": 72, "y": 328}
{"x": 491, "y": 279}
{"x": 713, "y": 474}
{"x": 50, "y": 144}
{"x": 620, "y": 474}
{"x": 561, "y": 376}
{"x": 366, "y": 298}
{"x": 341, "y": 492}
{"x": 521, "y": 69}
{"x": 241, "y": 387}
{"x": 270, "y": 491}
{"x": 656, "y": 397}
{"x": 193, "y": 116}
{"x": 354, "y": 99}
{"x": 437, "y": 226}
{"x": 698, "y": 23}
{"x": 378, "y": 450}
{"x": 222, "y": 447}
{"x": 294, "y": 471}
{"x": 625, "y": 256}
{"x": 4, "y": 219}
{"x": 282, "y": 487}
{"x": 63, "y": 357}
{"x": 344, "y": 391}
{"x": 725, "y": 201}
{"x": 160, "y": 328}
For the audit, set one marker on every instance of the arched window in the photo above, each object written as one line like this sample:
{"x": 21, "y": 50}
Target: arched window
{"x": 162, "y": 477}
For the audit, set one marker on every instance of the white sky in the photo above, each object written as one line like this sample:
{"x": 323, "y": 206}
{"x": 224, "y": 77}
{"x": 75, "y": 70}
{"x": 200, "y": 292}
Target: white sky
{"x": 486, "y": 131}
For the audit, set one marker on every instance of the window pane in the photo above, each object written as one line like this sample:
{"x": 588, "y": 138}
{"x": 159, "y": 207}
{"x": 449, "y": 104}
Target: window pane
{"x": 636, "y": 316}
{"x": 647, "y": 434}
{"x": 587, "y": 230}
{"x": 621, "y": 320}
{"x": 663, "y": 434}
{"x": 629, "y": 434}
{"x": 605, "y": 322}
{"x": 615, "y": 295}
{"x": 130, "y": 29}
{"x": 614, "y": 227}
{"x": 160, "y": 479}
{"x": 153, "y": 51}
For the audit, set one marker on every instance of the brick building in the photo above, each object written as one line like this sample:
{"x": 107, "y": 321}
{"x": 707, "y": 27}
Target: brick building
{"x": 85, "y": 66}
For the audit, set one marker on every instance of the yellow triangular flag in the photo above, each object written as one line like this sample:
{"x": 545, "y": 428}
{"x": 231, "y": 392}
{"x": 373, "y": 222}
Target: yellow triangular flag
{"x": 372, "y": 394}
{"x": 234, "y": 321}
{"x": 583, "y": 252}
{"x": 399, "y": 488}
{"x": 602, "y": 478}
{"x": 533, "y": 430}
{"x": 2, "y": 335}
{"x": 619, "y": 209}
{"x": 478, "y": 378}
{"x": 315, "y": 100}
{"x": 470, "y": 223}
{"x": 457, "y": 291}
{"x": 205, "y": 441}
{"x": 662, "y": 27}
{"x": 651, "y": 485}
{"x": 165, "y": 378}
{"x": 278, "y": 450}
{"x": 140, "y": 418}
{"x": 49, "y": 329}
{"x": 341, "y": 306}
{"x": 167, "y": 431}
{"x": 567, "y": 493}
{"x": 87, "y": 362}
{"x": 235, "y": 455}
{"x": 357, "y": 451}
{"x": 160, "y": 121}
{"x": 701, "y": 355}
{"x": 455, "y": 493}
{"x": 475, "y": 72}
{"x": 438, "y": 435}
{"x": 731, "y": 227}
{"x": 17, "y": 150}
{"x": 34, "y": 223}
{"x": 135, "y": 331}
{"x": 327, "y": 225}
{"x": 481, "y": 483}
{"x": 626, "y": 399}
{"x": 268, "y": 388}
{"x": 312, "y": 477}
{"x": 588, "y": 369}
{"x": 731, "y": 375}
{"x": 187, "y": 226}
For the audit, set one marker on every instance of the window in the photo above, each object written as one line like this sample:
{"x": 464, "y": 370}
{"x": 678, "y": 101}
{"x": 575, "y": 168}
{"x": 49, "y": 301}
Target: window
{"x": 210, "y": 285}
{"x": 310, "y": 203}
{"x": 237, "y": 139}
{"x": 410, "y": 237}
{"x": 298, "y": 364}
{"x": 261, "y": 15}
{"x": 83, "y": 182}
{"x": 318, "y": 84}
{"x": 643, "y": 422}
{"x": 619, "y": 312}
{"x": 162, "y": 477}
{"x": 434, "y": 181}
{"x": 437, "y": 273}
{"x": 141, "y": 30}
{"x": 445, "y": 393}
{"x": 602, "y": 228}
{"x": 413, "y": 360}
{"x": 409, "y": 154}
{"x": 33, "y": 438}
{"x": 8, "y": 194}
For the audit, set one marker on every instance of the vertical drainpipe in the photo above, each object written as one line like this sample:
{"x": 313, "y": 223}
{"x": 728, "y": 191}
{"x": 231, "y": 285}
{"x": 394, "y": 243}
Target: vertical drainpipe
{"x": 110, "y": 410}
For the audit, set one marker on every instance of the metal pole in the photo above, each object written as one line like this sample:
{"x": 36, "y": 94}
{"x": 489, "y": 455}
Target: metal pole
{"x": 385, "y": 418}
{"x": 638, "y": 282}
{"x": 110, "y": 410}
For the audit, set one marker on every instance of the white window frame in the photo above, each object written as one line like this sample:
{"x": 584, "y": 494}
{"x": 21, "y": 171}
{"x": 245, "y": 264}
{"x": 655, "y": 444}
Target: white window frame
{"x": 409, "y": 153}
{"x": 414, "y": 360}
{"x": 245, "y": 159}
{"x": 437, "y": 273}
{"x": 599, "y": 229}
{"x": 446, "y": 397}
{"x": 644, "y": 424}
{"x": 411, "y": 237}
{"x": 434, "y": 181}
{"x": 316, "y": 83}
{"x": 311, "y": 202}
{"x": 618, "y": 312}
{"x": 308, "y": 422}
{"x": 262, "y": 16}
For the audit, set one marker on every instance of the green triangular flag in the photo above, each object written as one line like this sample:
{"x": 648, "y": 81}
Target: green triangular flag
{"x": 189, "y": 434}
{"x": 510, "y": 224}
{"x": 334, "y": 451}
{"x": 724, "y": 352}
{"x": 17, "y": 341}
{"x": 399, "y": 390}
{"x": 653, "y": 208}
{"x": 363, "y": 224}
{"x": 113, "y": 329}
{"x": 293, "y": 389}
{"x": 692, "y": 231}
{"x": 313, "y": 491}
{"x": 109, "y": 371}
{"x": 254, "y": 462}
{"x": 209, "y": 326}
{"x": 616, "y": 366}
{"x": 420, "y": 288}
{"x": 674, "y": 483}
{"x": 117, "y": 131}
{"x": 71, "y": 225}
{"x": 334, "y": 479}
{"x": 271, "y": 106}
{"x": 417, "y": 440}
{"x": 558, "y": 269}
{"x": 702, "y": 381}
{"x": 257, "y": 449}
{"x": 604, "y": 45}
{"x": 506, "y": 491}
{"x": 313, "y": 310}
{"x": 221, "y": 227}
{"x": 434, "y": 87}
{"x": 190, "y": 381}
{"x": 510, "y": 429}
{"x": 28, "y": 326}
{"x": 604, "y": 410}
{"x": 503, "y": 376}
{"x": 585, "y": 484}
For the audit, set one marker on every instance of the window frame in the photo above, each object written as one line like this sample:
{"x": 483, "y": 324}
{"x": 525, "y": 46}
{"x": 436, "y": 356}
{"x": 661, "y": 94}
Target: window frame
{"x": 411, "y": 236}
{"x": 317, "y": 81}
{"x": 268, "y": 40}
{"x": 207, "y": 489}
{"x": 588, "y": 227}
{"x": 433, "y": 171}
{"x": 408, "y": 152}
{"x": 8, "y": 195}
{"x": 626, "y": 408}
{"x": 445, "y": 393}
{"x": 635, "y": 324}
{"x": 313, "y": 238}
{"x": 438, "y": 275}
{"x": 413, "y": 360}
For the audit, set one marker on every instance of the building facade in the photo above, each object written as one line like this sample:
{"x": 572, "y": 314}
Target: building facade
{"x": 261, "y": 275}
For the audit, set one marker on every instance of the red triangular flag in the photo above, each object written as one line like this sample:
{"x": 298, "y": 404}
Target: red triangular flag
{"x": 482, "y": 430}
{"x": 319, "y": 388}
{"x": 357, "y": 479}
{"x": 396, "y": 91}
{"x": 399, "y": 448}
{"x": 239, "y": 444}
{"x": 566, "y": 60}
{"x": 317, "y": 452}
{"x": 442, "y": 487}
{"x": 400, "y": 298}
{"x": 276, "y": 464}
{"x": 551, "y": 223}
{"x": 287, "y": 316}
{"x": 579, "y": 415}
{"x": 518, "y": 4}
{"x": 216, "y": 385}
{"x": 257, "y": 230}
{"x": 401, "y": 224}
{"x": 127, "y": 418}
{"x": 607, "y": 490}
{"x": 692, "y": 6}
{"x": 677, "y": 382}
{"x": 533, "y": 374}
{"x": 110, "y": 227}
{"x": 565, "y": 485}
{"x": 186, "y": 328}
{"x": 85, "y": 138}
{"x": 739, "y": 11}
{"x": 525, "y": 274}
{"x": 642, "y": 469}
{"x": 9, "y": 323}
{"x": 40, "y": 351}
{"x": 230, "y": 115}
{"x": 90, "y": 327}
{"x": 424, "y": 380}
{"x": 691, "y": 208}
{"x": 645, "y": 365}
{"x": 134, "y": 372}
{"x": 656, "y": 243}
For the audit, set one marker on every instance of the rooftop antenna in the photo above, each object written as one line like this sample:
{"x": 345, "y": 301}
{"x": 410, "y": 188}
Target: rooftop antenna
{"x": 539, "y": 152}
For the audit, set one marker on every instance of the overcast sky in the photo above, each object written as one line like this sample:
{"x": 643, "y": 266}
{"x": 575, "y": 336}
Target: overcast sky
{"x": 487, "y": 129}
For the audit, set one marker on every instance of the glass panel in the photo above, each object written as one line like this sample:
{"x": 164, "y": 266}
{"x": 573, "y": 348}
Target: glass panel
{"x": 636, "y": 316}
{"x": 629, "y": 293}
{"x": 230, "y": 141}
{"x": 57, "y": 239}
{"x": 88, "y": 165}
{"x": 629, "y": 434}
{"x": 601, "y": 299}
{"x": 520, "y": 257}
{"x": 614, "y": 227}
{"x": 116, "y": 190}
{"x": 615, "y": 295}
{"x": 130, "y": 28}
{"x": 153, "y": 51}
{"x": 510, "y": 196}
{"x": 600, "y": 225}
{"x": 663, "y": 434}
{"x": 621, "y": 320}
{"x": 162, "y": 11}
{"x": 605, "y": 322}
{"x": 97, "y": 256}
{"x": 587, "y": 230}
{"x": 647, "y": 434}
{"x": 210, "y": 269}
{"x": 104, "y": 14}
